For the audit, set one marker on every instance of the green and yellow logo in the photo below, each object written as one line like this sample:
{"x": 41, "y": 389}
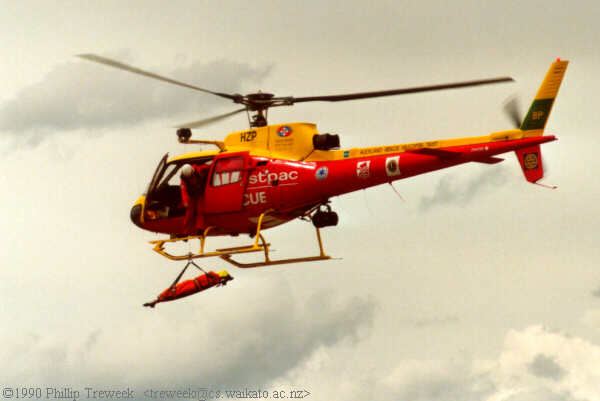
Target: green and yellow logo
{"x": 530, "y": 161}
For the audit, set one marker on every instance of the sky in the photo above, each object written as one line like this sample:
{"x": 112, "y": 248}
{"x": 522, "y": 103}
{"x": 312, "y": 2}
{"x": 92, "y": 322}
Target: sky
{"x": 475, "y": 286}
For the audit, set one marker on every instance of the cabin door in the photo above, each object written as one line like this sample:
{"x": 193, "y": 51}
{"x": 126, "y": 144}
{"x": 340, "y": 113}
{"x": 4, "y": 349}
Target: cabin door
{"x": 227, "y": 183}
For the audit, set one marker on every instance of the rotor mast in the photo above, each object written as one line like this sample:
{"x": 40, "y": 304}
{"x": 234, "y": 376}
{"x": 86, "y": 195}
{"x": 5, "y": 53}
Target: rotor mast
{"x": 259, "y": 104}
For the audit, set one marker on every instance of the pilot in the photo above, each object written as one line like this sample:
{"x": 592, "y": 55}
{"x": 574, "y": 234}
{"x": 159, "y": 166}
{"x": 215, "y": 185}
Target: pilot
{"x": 193, "y": 181}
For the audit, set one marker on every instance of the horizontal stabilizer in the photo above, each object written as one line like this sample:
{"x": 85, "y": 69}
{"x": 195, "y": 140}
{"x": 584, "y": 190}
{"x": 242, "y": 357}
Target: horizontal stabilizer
{"x": 441, "y": 153}
{"x": 489, "y": 160}
{"x": 451, "y": 154}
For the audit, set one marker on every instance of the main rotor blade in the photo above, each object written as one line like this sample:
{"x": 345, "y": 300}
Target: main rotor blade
{"x": 122, "y": 66}
{"x": 210, "y": 120}
{"x": 511, "y": 107}
{"x": 393, "y": 92}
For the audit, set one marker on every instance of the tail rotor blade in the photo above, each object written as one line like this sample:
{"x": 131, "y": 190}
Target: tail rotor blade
{"x": 511, "y": 108}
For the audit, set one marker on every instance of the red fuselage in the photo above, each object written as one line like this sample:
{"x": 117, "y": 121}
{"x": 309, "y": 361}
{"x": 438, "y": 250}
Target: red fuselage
{"x": 248, "y": 186}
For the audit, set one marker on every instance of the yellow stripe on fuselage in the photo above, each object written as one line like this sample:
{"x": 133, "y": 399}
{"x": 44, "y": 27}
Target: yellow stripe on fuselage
{"x": 354, "y": 153}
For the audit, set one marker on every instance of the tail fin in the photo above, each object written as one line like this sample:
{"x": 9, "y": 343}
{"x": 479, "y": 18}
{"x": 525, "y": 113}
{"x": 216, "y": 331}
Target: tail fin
{"x": 530, "y": 158}
{"x": 535, "y": 121}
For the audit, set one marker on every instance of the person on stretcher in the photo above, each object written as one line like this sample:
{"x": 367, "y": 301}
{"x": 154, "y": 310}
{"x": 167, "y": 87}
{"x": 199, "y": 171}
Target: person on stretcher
{"x": 189, "y": 287}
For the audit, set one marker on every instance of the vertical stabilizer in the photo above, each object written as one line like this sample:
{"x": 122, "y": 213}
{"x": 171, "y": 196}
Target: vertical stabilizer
{"x": 535, "y": 121}
{"x": 530, "y": 160}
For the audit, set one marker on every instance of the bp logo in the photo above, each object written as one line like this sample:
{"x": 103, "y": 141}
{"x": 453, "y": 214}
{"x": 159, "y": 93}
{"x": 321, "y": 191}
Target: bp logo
{"x": 530, "y": 161}
{"x": 284, "y": 131}
{"x": 321, "y": 173}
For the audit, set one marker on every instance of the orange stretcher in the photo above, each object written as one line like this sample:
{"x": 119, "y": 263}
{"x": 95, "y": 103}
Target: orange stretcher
{"x": 189, "y": 287}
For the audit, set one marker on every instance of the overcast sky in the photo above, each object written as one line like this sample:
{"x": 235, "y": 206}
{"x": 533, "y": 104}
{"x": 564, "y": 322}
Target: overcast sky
{"x": 478, "y": 287}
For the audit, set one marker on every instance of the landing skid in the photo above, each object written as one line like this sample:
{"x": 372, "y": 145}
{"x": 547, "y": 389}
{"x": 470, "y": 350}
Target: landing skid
{"x": 259, "y": 245}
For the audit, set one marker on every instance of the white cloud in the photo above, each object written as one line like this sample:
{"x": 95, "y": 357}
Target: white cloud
{"x": 537, "y": 362}
{"x": 81, "y": 95}
{"x": 591, "y": 318}
{"x": 436, "y": 380}
{"x": 575, "y": 357}
{"x": 534, "y": 364}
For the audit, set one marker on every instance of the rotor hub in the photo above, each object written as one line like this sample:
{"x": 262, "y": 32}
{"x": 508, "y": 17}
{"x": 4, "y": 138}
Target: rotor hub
{"x": 258, "y": 96}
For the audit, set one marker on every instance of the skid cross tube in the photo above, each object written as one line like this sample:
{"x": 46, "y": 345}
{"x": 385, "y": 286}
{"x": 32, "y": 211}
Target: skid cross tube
{"x": 268, "y": 262}
{"x": 259, "y": 244}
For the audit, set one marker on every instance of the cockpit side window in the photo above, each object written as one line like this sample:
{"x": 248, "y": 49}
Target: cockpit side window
{"x": 228, "y": 171}
{"x": 169, "y": 174}
{"x": 157, "y": 173}
{"x": 164, "y": 195}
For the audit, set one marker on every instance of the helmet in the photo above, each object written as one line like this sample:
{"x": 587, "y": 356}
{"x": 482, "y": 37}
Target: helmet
{"x": 224, "y": 274}
{"x": 187, "y": 170}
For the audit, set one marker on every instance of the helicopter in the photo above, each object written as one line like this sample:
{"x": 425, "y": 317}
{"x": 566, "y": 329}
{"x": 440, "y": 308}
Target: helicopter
{"x": 270, "y": 174}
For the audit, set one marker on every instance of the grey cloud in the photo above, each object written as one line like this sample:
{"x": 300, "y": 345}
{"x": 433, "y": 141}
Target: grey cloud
{"x": 540, "y": 394}
{"x": 284, "y": 338}
{"x": 544, "y": 366}
{"x": 81, "y": 95}
{"x": 596, "y": 292}
{"x": 450, "y": 191}
{"x": 441, "y": 389}
{"x": 244, "y": 342}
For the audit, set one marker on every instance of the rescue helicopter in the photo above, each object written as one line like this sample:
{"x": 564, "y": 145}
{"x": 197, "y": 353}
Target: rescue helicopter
{"x": 270, "y": 174}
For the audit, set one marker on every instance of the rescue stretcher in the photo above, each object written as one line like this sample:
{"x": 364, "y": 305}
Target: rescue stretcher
{"x": 210, "y": 279}
{"x": 186, "y": 288}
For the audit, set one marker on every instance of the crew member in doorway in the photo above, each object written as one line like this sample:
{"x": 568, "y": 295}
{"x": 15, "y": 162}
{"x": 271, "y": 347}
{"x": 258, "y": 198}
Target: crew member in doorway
{"x": 193, "y": 181}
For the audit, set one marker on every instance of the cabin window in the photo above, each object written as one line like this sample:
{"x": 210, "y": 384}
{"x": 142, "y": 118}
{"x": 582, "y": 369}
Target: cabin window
{"x": 228, "y": 171}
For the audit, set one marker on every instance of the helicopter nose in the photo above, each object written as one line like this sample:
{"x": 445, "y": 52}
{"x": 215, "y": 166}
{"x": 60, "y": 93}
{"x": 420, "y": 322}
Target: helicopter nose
{"x": 137, "y": 210}
{"x": 136, "y": 215}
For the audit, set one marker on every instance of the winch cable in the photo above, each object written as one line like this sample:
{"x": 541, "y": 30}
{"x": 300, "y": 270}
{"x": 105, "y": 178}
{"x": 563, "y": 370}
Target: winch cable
{"x": 396, "y": 191}
{"x": 189, "y": 262}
